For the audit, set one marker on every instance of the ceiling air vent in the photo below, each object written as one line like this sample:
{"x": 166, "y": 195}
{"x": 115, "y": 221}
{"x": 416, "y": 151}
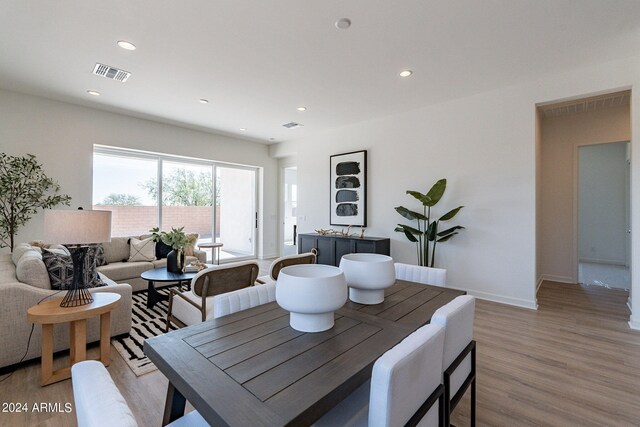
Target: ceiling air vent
{"x": 111, "y": 73}
{"x": 292, "y": 125}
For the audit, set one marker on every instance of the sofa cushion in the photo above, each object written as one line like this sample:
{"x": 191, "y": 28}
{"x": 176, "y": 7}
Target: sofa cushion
{"x": 118, "y": 271}
{"x": 142, "y": 250}
{"x": 20, "y": 249}
{"x": 117, "y": 249}
{"x": 189, "y": 249}
{"x": 32, "y": 271}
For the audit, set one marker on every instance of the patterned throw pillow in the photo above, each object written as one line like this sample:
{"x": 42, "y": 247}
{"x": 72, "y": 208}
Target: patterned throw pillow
{"x": 142, "y": 250}
{"x": 189, "y": 249}
{"x": 60, "y": 268}
{"x": 101, "y": 259}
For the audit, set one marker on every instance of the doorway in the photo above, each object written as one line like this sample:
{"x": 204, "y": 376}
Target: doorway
{"x": 603, "y": 215}
{"x": 289, "y": 206}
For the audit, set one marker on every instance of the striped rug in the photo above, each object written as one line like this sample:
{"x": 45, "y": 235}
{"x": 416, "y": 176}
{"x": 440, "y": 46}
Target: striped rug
{"x": 145, "y": 323}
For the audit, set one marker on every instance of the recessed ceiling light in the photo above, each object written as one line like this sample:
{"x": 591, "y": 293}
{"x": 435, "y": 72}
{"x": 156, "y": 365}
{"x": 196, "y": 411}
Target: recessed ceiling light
{"x": 302, "y": 108}
{"x": 405, "y": 73}
{"x": 204, "y": 101}
{"x": 93, "y": 92}
{"x": 126, "y": 45}
{"x": 343, "y": 23}
{"x": 243, "y": 129}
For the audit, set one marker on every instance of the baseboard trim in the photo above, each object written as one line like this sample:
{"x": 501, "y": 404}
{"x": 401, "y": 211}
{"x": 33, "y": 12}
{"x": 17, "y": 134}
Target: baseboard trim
{"x": 629, "y": 304}
{"x": 602, "y": 261}
{"x": 634, "y": 324}
{"x": 561, "y": 279}
{"x": 268, "y": 256}
{"x": 540, "y": 280}
{"x": 518, "y": 302}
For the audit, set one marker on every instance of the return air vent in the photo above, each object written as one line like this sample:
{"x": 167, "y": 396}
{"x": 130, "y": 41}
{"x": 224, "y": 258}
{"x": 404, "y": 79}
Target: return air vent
{"x": 292, "y": 125}
{"x": 111, "y": 73}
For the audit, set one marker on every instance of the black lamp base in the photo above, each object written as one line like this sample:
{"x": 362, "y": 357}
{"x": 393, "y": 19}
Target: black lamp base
{"x": 78, "y": 294}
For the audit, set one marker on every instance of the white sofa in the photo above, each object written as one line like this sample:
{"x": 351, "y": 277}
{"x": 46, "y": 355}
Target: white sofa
{"x": 24, "y": 282}
{"x": 120, "y": 270}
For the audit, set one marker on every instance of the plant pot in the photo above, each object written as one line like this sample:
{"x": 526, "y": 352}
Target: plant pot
{"x": 175, "y": 261}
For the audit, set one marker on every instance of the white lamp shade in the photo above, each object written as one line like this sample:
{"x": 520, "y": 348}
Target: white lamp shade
{"x": 77, "y": 227}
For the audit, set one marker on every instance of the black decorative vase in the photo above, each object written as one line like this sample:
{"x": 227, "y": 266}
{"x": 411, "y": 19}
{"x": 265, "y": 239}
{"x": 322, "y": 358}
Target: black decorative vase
{"x": 175, "y": 261}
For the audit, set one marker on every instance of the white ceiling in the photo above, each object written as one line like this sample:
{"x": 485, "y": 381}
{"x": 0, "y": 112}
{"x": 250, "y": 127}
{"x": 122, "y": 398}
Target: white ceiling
{"x": 257, "y": 60}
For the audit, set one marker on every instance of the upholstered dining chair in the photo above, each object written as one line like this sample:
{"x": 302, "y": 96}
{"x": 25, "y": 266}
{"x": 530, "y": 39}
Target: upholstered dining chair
{"x": 459, "y": 352}
{"x": 426, "y": 275}
{"x": 243, "y": 299}
{"x": 196, "y": 305}
{"x": 285, "y": 261}
{"x": 404, "y": 388}
{"x": 99, "y": 403}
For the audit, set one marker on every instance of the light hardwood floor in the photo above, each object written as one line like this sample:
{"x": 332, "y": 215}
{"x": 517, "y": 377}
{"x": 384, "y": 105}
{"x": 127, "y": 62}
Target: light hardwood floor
{"x": 573, "y": 362}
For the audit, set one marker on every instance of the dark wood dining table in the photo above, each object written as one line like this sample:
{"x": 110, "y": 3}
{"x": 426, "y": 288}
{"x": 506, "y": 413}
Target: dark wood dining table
{"x": 252, "y": 368}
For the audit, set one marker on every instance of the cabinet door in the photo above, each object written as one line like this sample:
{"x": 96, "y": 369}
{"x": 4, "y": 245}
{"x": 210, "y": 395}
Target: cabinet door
{"x": 306, "y": 243}
{"x": 343, "y": 247}
{"x": 326, "y": 254}
{"x": 365, "y": 247}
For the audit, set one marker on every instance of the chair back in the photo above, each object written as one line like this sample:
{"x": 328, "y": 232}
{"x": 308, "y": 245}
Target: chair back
{"x": 415, "y": 273}
{"x": 285, "y": 261}
{"x": 224, "y": 278}
{"x": 243, "y": 299}
{"x": 405, "y": 377}
{"x": 457, "y": 319}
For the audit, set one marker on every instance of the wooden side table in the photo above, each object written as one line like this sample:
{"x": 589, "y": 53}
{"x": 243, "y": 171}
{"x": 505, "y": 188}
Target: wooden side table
{"x": 49, "y": 313}
{"x": 213, "y": 246}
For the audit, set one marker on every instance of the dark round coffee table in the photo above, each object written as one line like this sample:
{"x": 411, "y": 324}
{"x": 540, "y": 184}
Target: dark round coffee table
{"x": 161, "y": 275}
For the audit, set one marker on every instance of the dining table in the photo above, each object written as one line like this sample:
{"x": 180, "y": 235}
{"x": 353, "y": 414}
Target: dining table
{"x": 252, "y": 368}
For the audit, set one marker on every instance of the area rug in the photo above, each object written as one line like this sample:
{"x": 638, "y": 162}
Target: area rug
{"x": 145, "y": 323}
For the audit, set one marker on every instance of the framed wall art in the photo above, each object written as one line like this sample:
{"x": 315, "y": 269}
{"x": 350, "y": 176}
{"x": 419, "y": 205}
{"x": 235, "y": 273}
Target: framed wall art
{"x": 349, "y": 189}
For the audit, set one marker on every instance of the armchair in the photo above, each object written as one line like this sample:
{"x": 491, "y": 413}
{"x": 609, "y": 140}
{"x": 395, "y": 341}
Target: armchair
{"x": 285, "y": 261}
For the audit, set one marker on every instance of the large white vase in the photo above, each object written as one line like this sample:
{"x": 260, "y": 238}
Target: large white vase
{"x": 368, "y": 275}
{"x": 311, "y": 293}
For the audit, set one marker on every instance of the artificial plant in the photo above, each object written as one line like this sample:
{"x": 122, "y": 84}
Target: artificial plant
{"x": 426, "y": 234}
{"x": 24, "y": 189}
{"x": 176, "y": 238}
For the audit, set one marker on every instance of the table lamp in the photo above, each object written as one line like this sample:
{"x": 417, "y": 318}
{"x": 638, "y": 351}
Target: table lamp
{"x": 77, "y": 230}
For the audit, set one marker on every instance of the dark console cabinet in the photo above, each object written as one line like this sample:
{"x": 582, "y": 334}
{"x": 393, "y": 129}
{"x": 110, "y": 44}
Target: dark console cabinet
{"x": 330, "y": 248}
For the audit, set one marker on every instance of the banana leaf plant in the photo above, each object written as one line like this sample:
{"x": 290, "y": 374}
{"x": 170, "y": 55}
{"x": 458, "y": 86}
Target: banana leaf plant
{"x": 426, "y": 235}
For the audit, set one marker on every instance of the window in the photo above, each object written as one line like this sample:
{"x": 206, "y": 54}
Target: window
{"x": 146, "y": 190}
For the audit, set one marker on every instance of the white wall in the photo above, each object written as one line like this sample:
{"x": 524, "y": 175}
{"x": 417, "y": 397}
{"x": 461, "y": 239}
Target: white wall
{"x": 561, "y": 137}
{"x": 485, "y": 146}
{"x": 601, "y": 197}
{"x": 62, "y": 135}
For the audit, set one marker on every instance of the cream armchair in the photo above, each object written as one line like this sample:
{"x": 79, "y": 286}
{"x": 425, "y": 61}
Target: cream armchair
{"x": 196, "y": 305}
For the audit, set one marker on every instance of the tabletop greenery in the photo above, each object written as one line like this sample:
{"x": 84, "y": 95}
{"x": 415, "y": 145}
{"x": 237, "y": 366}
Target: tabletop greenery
{"x": 176, "y": 238}
{"x": 24, "y": 189}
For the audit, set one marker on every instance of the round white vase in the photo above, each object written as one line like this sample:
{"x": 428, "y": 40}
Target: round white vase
{"x": 311, "y": 293}
{"x": 368, "y": 275}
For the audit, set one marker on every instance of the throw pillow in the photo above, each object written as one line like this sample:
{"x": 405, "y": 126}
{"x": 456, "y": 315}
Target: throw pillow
{"x": 189, "y": 249}
{"x": 60, "y": 268}
{"x": 101, "y": 259}
{"x": 142, "y": 250}
{"x": 162, "y": 250}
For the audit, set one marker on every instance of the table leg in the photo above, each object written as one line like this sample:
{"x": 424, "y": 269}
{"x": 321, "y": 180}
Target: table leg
{"x": 105, "y": 335}
{"x": 153, "y": 296}
{"x": 174, "y": 405}
{"x": 218, "y": 257}
{"x": 78, "y": 335}
{"x": 47, "y": 353}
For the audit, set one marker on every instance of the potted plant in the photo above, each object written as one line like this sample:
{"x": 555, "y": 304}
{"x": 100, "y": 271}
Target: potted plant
{"x": 426, "y": 235}
{"x": 177, "y": 239}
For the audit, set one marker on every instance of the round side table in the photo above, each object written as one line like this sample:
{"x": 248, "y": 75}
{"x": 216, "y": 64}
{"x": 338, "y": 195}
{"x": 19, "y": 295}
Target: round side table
{"x": 49, "y": 313}
{"x": 214, "y": 246}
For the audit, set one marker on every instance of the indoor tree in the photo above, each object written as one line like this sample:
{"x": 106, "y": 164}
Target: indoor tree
{"x": 24, "y": 189}
{"x": 426, "y": 234}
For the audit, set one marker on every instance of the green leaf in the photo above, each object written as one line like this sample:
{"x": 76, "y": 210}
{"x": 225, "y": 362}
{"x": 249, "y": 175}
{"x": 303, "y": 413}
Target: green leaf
{"x": 408, "y": 214}
{"x": 450, "y": 230}
{"x": 444, "y": 239}
{"x": 450, "y": 214}
{"x": 435, "y": 193}
{"x": 407, "y": 233}
{"x": 432, "y": 230}
{"x": 423, "y": 198}
{"x": 411, "y": 229}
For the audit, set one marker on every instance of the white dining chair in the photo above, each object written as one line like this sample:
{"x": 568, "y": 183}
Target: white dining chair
{"x": 243, "y": 299}
{"x": 426, "y": 275}
{"x": 285, "y": 261}
{"x": 459, "y": 352}
{"x": 405, "y": 384}
{"x": 99, "y": 403}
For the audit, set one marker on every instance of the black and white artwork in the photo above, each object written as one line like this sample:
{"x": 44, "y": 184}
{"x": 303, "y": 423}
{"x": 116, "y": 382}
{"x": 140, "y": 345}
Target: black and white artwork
{"x": 349, "y": 189}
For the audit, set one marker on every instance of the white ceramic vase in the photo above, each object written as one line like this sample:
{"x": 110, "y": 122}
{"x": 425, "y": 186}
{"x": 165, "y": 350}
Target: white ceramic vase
{"x": 368, "y": 275}
{"x": 311, "y": 293}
